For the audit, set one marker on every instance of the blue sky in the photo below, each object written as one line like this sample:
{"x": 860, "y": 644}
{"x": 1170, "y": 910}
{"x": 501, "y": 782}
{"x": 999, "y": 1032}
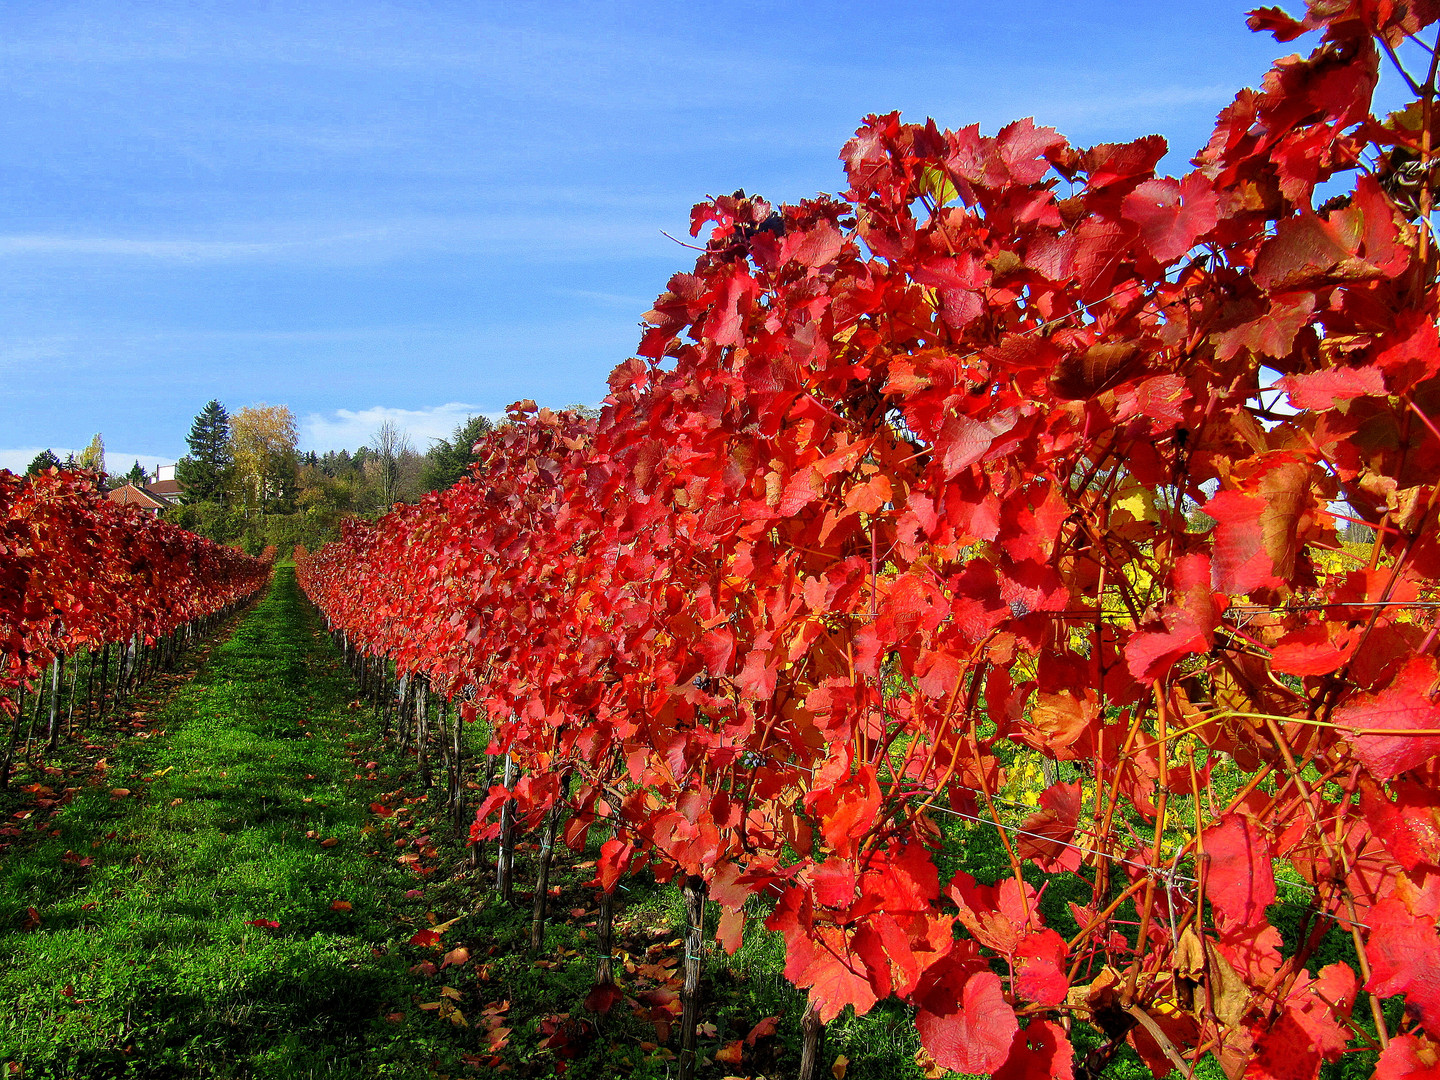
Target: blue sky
{"x": 421, "y": 210}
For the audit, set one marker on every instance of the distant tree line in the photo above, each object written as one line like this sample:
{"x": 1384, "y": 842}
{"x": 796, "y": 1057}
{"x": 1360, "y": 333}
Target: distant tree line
{"x": 247, "y": 483}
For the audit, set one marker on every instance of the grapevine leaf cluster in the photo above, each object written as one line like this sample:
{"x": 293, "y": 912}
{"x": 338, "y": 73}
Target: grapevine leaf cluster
{"x": 79, "y": 571}
{"x": 1012, "y": 444}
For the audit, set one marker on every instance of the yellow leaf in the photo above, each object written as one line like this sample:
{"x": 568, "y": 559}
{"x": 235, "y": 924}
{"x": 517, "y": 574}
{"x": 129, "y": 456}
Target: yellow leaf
{"x": 935, "y": 183}
{"x": 1140, "y": 505}
{"x": 838, "y": 1069}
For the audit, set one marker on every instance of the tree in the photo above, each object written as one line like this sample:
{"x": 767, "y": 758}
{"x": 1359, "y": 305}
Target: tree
{"x": 263, "y": 446}
{"x": 136, "y": 475}
{"x": 391, "y": 446}
{"x": 448, "y": 459}
{"x": 46, "y": 459}
{"x": 205, "y": 471}
{"x": 93, "y": 456}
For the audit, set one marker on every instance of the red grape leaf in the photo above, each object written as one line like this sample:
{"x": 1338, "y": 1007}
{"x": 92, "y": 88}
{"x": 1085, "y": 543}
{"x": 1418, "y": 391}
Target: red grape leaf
{"x": 1040, "y": 974}
{"x": 1325, "y": 389}
{"x": 717, "y": 649}
{"x": 1283, "y": 1051}
{"x": 832, "y": 978}
{"x": 1278, "y": 22}
{"x": 1409, "y": 1057}
{"x": 731, "y": 930}
{"x": 1404, "y": 954}
{"x": 1241, "y": 880}
{"x": 1172, "y": 215}
{"x": 816, "y": 246}
{"x": 1307, "y": 251}
{"x": 602, "y": 997}
{"x": 1047, "y": 835}
{"x": 973, "y": 1035}
{"x": 1321, "y": 1005}
{"x": 1405, "y": 705}
{"x": 1240, "y": 560}
{"x": 763, "y": 1030}
{"x": 1409, "y": 827}
{"x": 1149, "y": 654}
{"x": 1310, "y": 651}
{"x": 1108, "y": 162}
{"x": 1040, "y": 1051}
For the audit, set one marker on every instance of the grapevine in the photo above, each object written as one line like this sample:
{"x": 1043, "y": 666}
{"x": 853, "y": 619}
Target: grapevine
{"x": 1013, "y": 444}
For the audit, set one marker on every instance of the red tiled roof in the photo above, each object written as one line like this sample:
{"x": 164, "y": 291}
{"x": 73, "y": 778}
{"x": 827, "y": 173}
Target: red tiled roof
{"x": 130, "y": 495}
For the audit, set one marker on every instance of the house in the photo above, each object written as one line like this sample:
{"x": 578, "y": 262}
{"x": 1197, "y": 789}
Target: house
{"x": 164, "y": 484}
{"x": 143, "y": 497}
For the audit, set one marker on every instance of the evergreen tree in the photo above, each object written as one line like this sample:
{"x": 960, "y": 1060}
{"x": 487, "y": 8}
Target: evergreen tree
{"x": 205, "y": 471}
{"x": 46, "y": 459}
{"x": 136, "y": 475}
{"x": 448, "y": 459}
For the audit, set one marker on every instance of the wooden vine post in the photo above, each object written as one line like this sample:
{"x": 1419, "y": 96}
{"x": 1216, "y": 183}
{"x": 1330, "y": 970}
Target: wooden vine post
{"x": 693, "y": 892}
{"x": 542, "y": 873}
{"x": 812, "y": 1034}
{"x": 505, "y": 853}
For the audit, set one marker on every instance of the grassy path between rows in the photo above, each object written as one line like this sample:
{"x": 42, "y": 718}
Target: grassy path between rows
{"x": 125, "y": 944}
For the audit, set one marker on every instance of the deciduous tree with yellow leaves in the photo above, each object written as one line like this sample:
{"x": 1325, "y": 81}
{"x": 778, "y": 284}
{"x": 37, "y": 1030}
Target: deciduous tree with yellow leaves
{"x": 263, "y": 441}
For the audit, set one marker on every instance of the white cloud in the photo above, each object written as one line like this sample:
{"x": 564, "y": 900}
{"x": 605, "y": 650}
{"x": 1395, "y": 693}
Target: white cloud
{"x": 349, "y": 429}
{"x": 117, "y": 461}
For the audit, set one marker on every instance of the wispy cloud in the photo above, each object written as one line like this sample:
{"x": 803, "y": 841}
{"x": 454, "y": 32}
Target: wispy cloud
{"x": 188, "y": 250}
{"x": 635, "y": 304}
{"x": 518, "y": 233}
{"x": 349, "y": 429}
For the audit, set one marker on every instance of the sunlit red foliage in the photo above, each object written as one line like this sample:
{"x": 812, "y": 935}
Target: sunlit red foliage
{"x": 1013, "y": 441}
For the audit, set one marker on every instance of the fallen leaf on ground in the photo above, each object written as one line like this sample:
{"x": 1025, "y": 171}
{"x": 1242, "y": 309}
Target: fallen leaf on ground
{"x": 730, "y": 1053}
{"x": 455, "y": 957}
{"x": 762, "y": 1030}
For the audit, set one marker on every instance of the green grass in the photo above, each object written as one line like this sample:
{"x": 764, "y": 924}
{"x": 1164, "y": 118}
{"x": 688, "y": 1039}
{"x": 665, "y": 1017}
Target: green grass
{"x": 143, "y": 964}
